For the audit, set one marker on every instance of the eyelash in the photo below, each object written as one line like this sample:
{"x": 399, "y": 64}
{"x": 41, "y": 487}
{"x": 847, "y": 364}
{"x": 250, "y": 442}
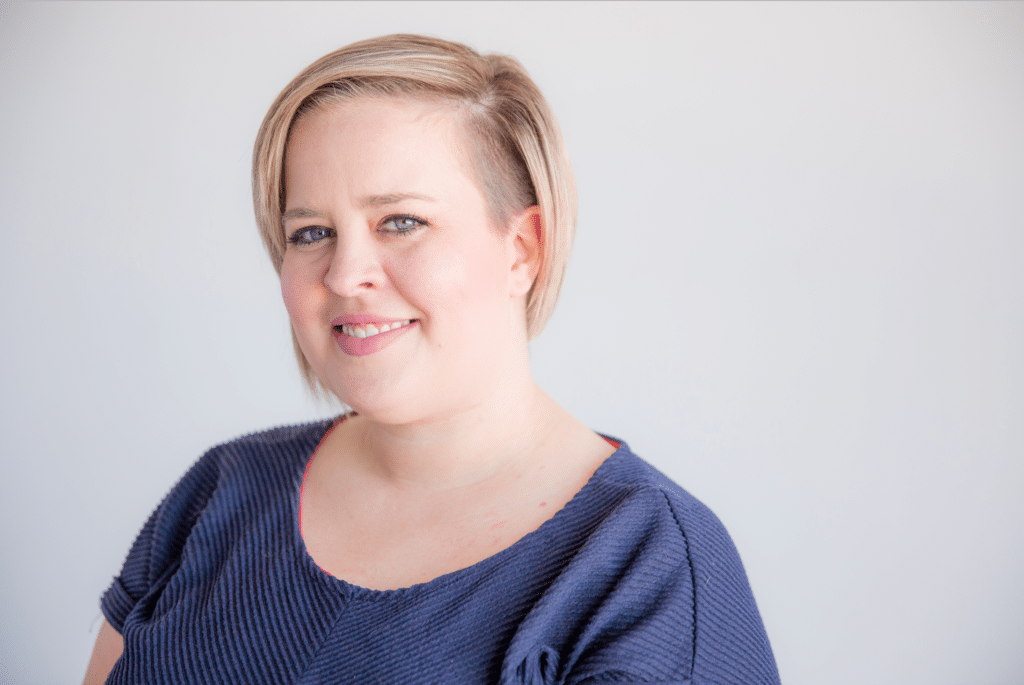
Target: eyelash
{"x": 300, "y": 236}
{"x": 402, "y": 217}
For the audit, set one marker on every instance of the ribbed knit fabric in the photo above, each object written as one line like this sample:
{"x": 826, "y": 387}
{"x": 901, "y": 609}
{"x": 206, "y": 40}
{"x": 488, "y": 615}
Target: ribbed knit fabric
{"x": 633, "y": 581}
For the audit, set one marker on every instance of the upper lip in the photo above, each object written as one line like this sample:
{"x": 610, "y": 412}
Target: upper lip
{"x": 361, "y": 319}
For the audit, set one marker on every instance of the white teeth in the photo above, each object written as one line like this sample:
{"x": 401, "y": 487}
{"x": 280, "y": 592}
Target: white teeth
{"x": 368, "y": 330}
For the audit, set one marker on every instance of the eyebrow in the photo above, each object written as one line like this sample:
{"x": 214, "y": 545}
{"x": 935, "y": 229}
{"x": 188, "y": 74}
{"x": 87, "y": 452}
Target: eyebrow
{"x": 367, "y": 201}
{"x": 300, "y": 213}
{"x": 392, "y": 198}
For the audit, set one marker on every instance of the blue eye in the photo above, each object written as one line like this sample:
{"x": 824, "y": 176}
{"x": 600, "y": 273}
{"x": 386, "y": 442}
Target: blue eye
{"x": 402, "y": 224}
{"x": 310, "y": 235}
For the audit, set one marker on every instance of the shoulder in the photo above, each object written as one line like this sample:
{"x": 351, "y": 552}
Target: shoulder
{"x": 254, "y": 460}
{"x": 648, "y": 493}
{"x": 278, "y": 443}
{"x": 283, "y": 448}
{"x": 273, "y": 454}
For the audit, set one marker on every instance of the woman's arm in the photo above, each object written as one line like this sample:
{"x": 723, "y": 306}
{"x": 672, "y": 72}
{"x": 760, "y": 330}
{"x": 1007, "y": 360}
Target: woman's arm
{"x": 105, "y": 654}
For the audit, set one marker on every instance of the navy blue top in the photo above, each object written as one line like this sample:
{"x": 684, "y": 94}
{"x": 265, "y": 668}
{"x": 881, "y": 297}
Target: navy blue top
{"x": 633, "y": 581}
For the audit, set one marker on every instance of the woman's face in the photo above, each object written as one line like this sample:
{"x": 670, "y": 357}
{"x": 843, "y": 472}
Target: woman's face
{"x": 388, "y": 231}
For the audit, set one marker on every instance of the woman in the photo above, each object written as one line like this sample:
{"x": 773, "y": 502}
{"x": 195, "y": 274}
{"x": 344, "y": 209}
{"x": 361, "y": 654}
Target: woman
{"x": 458, "y": 525}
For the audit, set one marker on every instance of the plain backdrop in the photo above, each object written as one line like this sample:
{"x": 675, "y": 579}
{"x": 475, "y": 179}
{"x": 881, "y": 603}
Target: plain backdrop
{"x": 797, "y": 289}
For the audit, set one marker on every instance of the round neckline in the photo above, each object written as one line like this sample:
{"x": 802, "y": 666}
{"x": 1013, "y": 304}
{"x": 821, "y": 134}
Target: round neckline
{"x": 354, "y": 591}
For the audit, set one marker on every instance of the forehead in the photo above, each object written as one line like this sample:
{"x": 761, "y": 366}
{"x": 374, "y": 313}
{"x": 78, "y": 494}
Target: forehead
{"x": 370, "y": 138}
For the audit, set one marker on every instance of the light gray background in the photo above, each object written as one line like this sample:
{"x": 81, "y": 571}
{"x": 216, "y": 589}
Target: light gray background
{"x": 797, "y": 289}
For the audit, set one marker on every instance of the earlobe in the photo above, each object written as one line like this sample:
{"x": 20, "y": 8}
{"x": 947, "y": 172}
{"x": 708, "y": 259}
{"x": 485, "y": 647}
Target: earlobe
{"x": 527, "y": 229}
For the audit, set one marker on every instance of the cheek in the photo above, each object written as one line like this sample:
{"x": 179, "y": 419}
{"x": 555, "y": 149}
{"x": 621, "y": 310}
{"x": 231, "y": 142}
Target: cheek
{"x": 447, "y": 277}
{"x": 288, "y": 294}
{"x": 454, "y": 281}
{"x": 295, "y": 290}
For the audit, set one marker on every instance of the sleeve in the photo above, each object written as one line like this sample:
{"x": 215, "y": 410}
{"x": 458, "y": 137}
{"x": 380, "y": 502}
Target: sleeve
{"x": 730, "y": 643}
{"x": 156, "y": 552}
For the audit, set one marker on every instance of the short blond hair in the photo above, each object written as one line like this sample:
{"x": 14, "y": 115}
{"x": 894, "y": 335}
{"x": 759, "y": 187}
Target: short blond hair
{"x": 518, "y": 153}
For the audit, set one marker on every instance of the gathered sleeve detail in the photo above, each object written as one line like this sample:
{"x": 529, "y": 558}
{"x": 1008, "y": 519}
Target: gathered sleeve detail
{"x": 157, "y": 549}
{"x": 656, "y": 595}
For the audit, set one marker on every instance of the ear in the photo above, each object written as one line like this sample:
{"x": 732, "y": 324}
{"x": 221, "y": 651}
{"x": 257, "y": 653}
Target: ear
{"x": 526, "y": 230}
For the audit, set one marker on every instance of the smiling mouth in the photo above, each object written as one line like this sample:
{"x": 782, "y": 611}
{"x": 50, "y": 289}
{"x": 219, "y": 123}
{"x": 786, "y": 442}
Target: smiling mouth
{"x": 368, "y": 330}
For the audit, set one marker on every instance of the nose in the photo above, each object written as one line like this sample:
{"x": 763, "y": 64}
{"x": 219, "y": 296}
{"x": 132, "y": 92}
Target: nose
{"x": 355, "y": 267}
